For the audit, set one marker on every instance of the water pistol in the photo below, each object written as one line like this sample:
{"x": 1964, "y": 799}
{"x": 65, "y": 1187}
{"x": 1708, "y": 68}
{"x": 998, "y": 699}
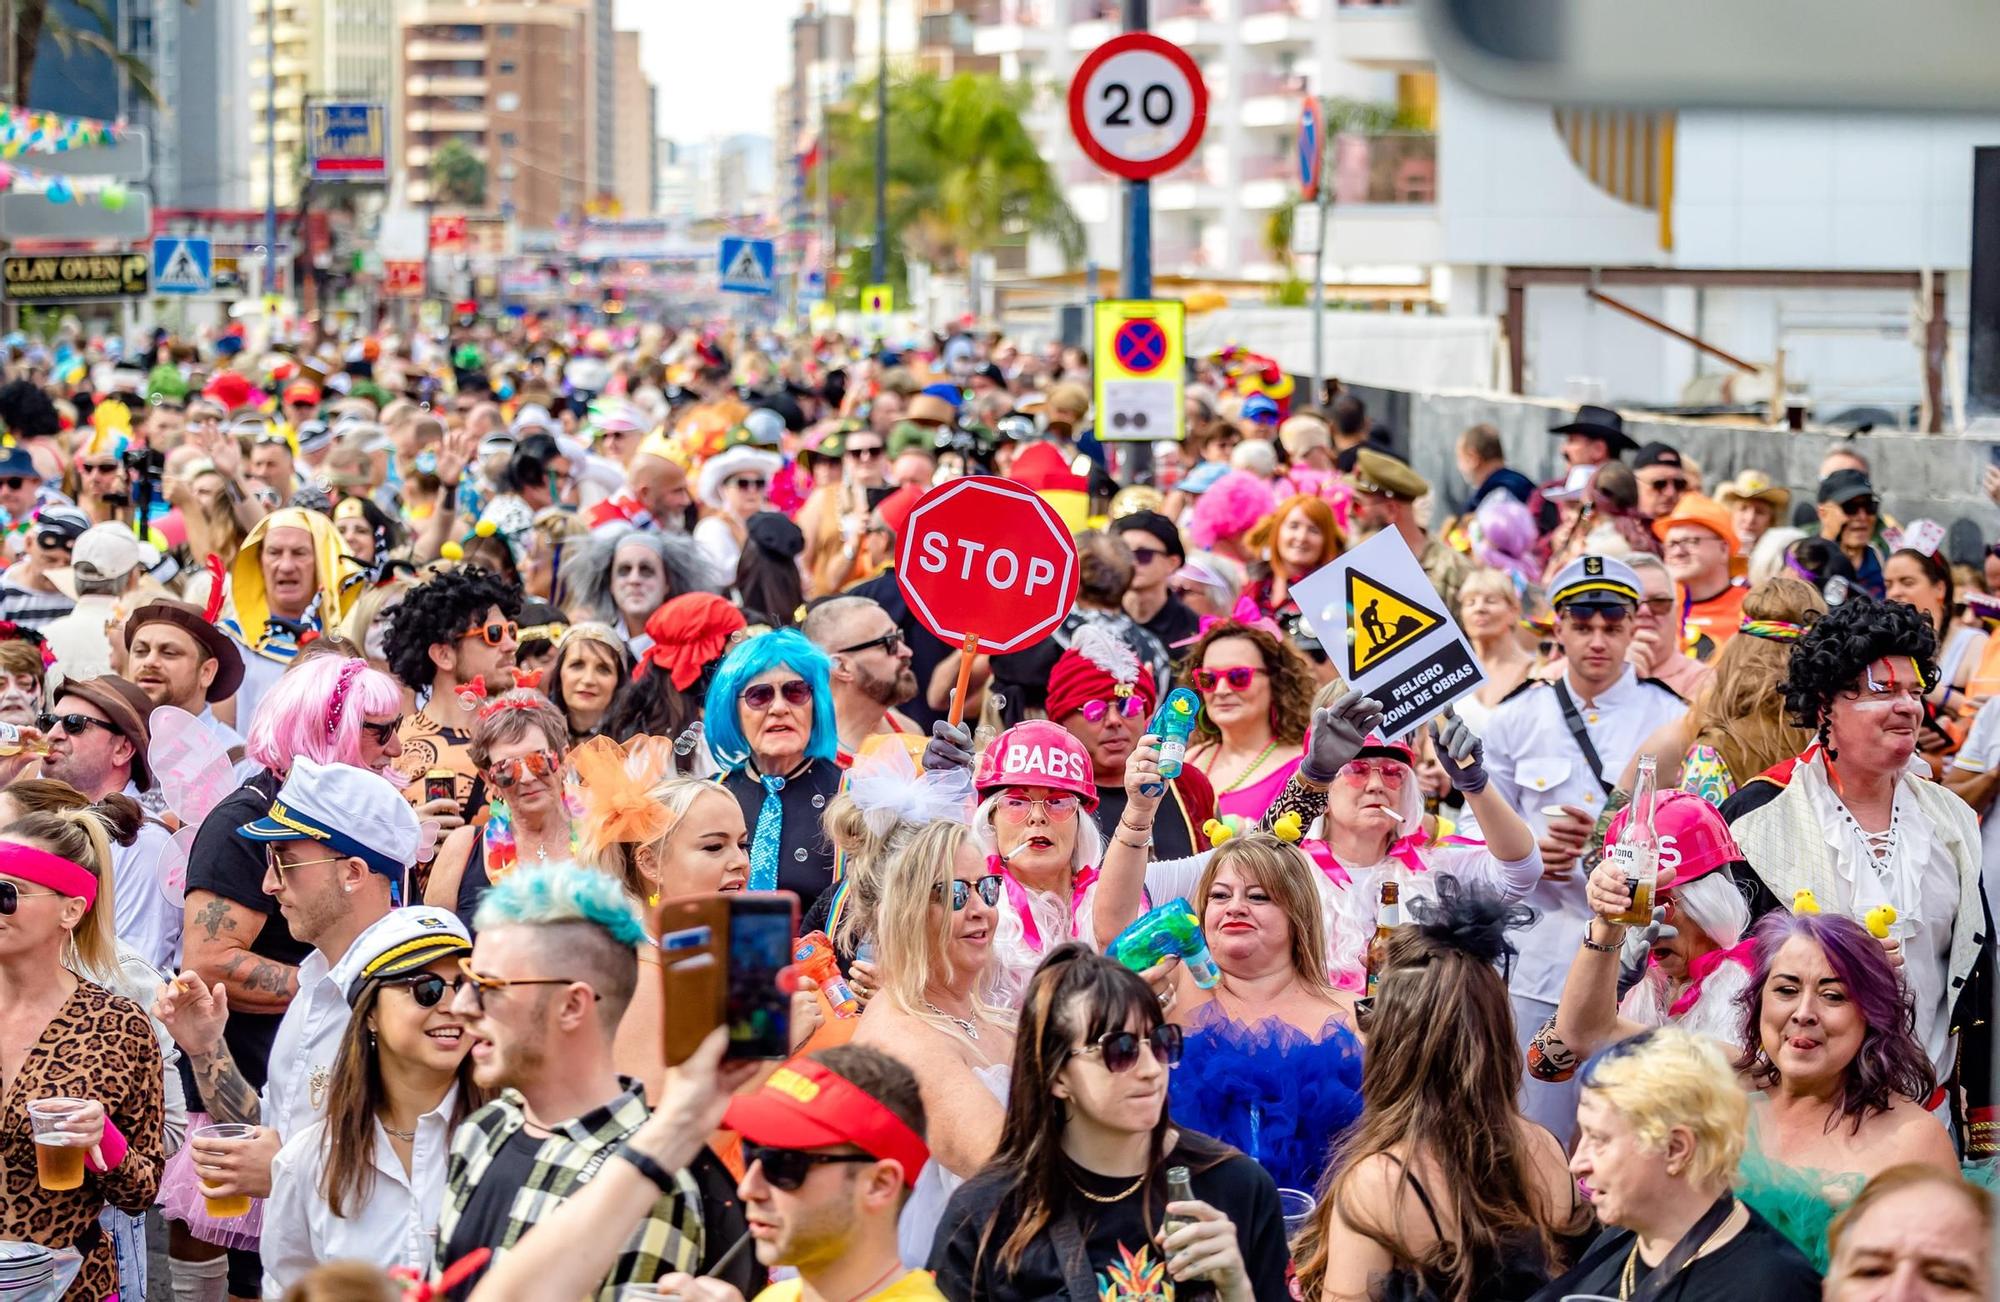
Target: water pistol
{"x": 1170, "y": 931}
{"x": 1173, "y": 723}
{"x": 815, "y": 958}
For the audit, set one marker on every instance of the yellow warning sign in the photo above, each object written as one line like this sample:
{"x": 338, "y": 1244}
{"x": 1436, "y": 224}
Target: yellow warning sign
{"x": 1381, "y": 622}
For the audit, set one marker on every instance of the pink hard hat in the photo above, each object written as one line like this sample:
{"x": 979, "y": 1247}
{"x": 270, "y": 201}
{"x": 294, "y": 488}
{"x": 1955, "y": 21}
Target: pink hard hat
{"x": 1689, "y": 827}
{"x": 1037, "y": 753}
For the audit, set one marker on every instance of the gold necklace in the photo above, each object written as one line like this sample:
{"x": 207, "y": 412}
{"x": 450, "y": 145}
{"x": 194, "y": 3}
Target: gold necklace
{"x": 1251, "y": 769}
{"x": 1630, "y": 1275}
{"x": 1118, "y": 1197}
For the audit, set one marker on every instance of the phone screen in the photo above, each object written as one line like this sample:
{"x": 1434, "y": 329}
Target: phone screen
{"x": 761, "y": 930}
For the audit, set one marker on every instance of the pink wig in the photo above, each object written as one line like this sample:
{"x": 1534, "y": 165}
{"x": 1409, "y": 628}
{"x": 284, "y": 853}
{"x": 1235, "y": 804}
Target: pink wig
{"x": 297, "y": 716}
{"x": 1230, "y": 508}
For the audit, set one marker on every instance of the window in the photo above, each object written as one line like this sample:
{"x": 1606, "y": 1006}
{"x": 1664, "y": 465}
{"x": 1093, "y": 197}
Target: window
{"x": 506, "y": 67}
{"x": 506, "y": 31}
{"x": 507, "y": 140}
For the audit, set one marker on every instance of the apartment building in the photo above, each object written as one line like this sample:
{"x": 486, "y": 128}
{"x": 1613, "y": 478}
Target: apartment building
{"x": 324, "y": 49}
{"x": 512, "y": 84}
{"x": 635, "y": 165}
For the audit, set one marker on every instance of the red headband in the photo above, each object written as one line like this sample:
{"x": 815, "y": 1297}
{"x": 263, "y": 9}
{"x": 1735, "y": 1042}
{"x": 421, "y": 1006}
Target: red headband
{"x": 44, "y": 869}
{"x": 805, "y": 1104}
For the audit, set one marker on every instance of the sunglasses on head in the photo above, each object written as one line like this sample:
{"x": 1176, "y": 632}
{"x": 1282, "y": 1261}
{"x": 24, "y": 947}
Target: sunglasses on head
{"x": 1121, "y": 1048}
{"x": 1238, "y": 677}
{"x": 10, "y": 896}
{"x": 758, "y": 696}
{"x": 73, "y": 724}
{"x": 494, "y": 634}
{"x": 509, "y": 773}
{"x": 1132, "y": 707}
{"x": 427, "y": 988}
{"x": 961, "y": 892}
{"x": 787, "y": 1168}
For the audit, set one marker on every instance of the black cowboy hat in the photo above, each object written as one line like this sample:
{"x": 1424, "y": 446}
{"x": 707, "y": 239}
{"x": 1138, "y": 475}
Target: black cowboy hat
{"x": 1600, "y": 423}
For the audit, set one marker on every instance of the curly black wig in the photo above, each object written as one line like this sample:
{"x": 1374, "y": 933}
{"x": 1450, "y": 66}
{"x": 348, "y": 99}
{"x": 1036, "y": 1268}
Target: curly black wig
{"x": 438, "y": 611}
{"x": 27, "y": 411}
{"x": 1845, "y": 641}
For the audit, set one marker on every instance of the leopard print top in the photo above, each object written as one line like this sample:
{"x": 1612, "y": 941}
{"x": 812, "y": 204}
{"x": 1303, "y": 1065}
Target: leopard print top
{"x": 100, "y": 1046}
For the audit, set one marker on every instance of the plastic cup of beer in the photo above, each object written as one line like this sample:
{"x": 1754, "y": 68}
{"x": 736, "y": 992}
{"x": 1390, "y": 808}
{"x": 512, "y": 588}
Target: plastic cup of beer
{"x": 58, "y": 1154}
{"x": 225, "y": 1207}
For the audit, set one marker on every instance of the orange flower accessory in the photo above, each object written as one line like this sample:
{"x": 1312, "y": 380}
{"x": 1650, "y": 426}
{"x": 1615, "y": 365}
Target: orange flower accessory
{"x": 614, "y": 785}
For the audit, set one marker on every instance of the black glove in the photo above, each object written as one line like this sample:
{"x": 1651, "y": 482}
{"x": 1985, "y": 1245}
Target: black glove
{"x": 1460, "y": 753}
{"x": 949, "y": 747}
{"x": 1336, "y": 735}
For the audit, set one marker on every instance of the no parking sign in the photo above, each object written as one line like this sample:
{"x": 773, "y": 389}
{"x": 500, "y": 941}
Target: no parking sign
{"x": 1139, "y": 363}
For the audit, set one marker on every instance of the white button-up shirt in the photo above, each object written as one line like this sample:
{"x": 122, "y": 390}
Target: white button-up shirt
{"x": 1534, "y": 762}
{"x": 302, "y": 1052}
{"x": 386, "y": 1229}
{"x": 140, "y": 912}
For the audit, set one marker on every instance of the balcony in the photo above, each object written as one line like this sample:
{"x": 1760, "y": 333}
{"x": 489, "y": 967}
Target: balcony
{"x": 420, "y": 87}
{"x": 1275, "y": 22}
{"x": 1190, "y": 24}
{"x": 1393, "y": 168}
{"x": 1269, "y": 98}
{"x": 1380, "y": 35}
{"x": 1092, "y": 22}
{"x": 449, "y": 51}
{"x": 1191, "y": 187}
{"x": 1011, "y": 26}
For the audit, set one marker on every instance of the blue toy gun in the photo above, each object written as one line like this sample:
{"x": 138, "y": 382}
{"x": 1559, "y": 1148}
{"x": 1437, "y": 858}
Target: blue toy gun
{"x": 1171, "y": 930}
{"x": 1173, "y": 723}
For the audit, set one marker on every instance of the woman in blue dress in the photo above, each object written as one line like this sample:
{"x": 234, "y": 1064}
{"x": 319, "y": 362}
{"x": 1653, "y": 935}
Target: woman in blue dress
{"x": 1271, "y": 1063}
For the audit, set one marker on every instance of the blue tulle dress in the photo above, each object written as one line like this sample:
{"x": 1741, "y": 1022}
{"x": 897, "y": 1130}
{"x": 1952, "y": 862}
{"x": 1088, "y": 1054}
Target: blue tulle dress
{"x": 1269, "y": 1089}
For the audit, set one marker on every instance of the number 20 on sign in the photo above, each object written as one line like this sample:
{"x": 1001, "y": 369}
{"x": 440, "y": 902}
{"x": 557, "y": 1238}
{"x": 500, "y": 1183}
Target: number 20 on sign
{"x": 1138, "y": 105}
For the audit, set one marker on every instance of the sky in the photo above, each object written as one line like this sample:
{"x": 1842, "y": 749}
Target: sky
{"x": 718, "y": 63}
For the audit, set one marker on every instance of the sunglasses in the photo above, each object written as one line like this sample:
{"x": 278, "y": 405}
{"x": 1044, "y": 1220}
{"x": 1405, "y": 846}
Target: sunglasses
{"x": 15, "y": 483}
{"x": 1121, "y": 1048}
{"x": 483, "y": 985}
{"x": 749, "y": 485}
{"x": 103, "y": 467}
{"x": 1861, "y": 506}
{"x": 1658, "y": 605}
{"x": 961, "y": 892}
{"x": 1675, "y": 482}
{"x": 1133, "y": 707}
{"x": 279, "y": 867}
{"x": 1060, "y": 809}
{"x": 1146, "y": 555}
{"x": 758, "y": 696}
{"x": 1355, "y": 773}
{"x": 864, "y": 454}
{"x": 427, "y": 988}
{"x": 1238, "y": 678}
{"x": 73, "y": 724}
{"x": 509, "y": 773}
{"x": 892, "y": 642}
{"x": 10, "y": 896}
{"x": 494, "y": 634}
{"x": 1581, "y": 617}
{"x": 786, "y": 1169}
{"x": 383, "y": 733}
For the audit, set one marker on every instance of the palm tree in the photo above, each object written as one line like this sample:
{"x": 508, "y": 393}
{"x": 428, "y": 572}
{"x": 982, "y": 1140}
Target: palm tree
{"x": 964, "y": 174}
{"x": 35, "y": 18}
{"x": 457, "y": 175}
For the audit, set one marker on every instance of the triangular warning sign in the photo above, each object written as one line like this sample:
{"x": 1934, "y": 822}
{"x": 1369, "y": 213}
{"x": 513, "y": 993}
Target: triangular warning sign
{"x": 1381, "y": 623}
{"x": 182, "y": 271}
{"x": 746, "y": 266}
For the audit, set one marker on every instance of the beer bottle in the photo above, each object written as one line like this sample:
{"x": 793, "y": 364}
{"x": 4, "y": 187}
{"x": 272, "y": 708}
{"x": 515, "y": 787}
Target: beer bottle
{"x": 1637, "y": 854}
{"x": 1180, "y": 1189}
{"x": 1387, "y": 918}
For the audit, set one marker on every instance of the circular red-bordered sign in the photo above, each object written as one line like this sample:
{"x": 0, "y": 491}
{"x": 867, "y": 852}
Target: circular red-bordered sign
{"x": 1137, "y": 106}
{"x": 1140, "y": 346}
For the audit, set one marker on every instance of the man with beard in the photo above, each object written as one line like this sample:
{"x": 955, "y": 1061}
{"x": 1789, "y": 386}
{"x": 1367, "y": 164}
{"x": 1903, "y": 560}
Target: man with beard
{"x": 871, "y": 674}
{"x": 178, "y": 657}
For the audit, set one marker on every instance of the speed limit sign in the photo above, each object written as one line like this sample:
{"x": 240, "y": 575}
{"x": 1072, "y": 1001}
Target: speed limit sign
{"x": 1137, "y": 105}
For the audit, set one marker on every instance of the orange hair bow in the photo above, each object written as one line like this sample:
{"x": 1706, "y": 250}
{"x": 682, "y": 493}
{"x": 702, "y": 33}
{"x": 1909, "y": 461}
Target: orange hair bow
{"x": 614, "y": 784}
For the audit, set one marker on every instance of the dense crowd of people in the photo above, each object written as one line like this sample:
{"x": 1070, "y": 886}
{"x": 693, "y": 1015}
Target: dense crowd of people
{"x": 378, "y": 711}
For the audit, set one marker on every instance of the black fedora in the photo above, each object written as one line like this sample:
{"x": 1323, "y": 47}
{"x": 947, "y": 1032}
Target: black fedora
{"x": 1600, "y": 423}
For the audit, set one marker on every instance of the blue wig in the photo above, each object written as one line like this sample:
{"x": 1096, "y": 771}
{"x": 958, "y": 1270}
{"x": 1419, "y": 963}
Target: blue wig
{"x": 562, "y": 892}
{"x": 785, "y": 648}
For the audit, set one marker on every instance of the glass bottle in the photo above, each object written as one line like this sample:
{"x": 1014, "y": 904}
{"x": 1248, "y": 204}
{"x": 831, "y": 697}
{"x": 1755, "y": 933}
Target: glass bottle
{"x": 1637, "y": 853}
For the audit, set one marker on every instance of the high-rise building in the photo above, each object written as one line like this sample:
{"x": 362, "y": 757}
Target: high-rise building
{"x": 936, "y": 36}
{"x": 510, "y": 84}
{"x": 324, "y": 50}
{"x": 635, "y": 168}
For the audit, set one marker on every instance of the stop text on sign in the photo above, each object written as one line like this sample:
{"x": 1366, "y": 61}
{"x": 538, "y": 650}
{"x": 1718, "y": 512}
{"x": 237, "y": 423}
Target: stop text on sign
{"x": 1001, "y": 569}
{"x": 987, "y": 562}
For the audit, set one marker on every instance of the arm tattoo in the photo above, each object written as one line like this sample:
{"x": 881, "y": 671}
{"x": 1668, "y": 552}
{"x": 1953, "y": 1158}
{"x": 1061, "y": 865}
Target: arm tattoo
{"x": 214, "y": 916}
{"x": 228, "y": 1095}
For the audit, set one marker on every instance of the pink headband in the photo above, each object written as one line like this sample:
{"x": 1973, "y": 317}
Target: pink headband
{"x": 50, "y": 870}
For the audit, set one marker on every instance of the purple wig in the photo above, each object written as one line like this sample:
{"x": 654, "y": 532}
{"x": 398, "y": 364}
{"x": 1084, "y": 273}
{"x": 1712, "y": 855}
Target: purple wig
{"x": 1890, "y": 1061}
{"x": 1504, "y": 536}
{"x": 298, "y": 715}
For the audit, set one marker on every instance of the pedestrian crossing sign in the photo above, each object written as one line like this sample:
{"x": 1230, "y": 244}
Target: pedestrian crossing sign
{"x": 183, "y": 264}
{"x": 1383, "y": 622}
{"x": 748, "y": 266}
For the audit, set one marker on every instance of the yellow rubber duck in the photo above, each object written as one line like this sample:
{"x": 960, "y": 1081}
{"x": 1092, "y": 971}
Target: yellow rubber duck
{"x": 1879, "y": 919}
{"x": 1288, "y": 827}
{"x": 1803, "y": 902}
{"x": 1217, "y": 831}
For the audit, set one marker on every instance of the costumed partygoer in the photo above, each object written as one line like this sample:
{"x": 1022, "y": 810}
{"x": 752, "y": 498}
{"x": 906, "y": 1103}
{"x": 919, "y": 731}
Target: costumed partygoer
{"x": 288, "y": 580}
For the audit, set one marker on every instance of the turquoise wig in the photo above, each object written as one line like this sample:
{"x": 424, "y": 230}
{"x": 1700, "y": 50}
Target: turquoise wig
{"x": 785, "y": 648}
{"x": 564, "y": 892}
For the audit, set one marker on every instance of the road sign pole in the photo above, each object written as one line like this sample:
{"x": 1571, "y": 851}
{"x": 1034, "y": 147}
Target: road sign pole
{"x": 1319, "y": 301}
{"x": 1137, "y": 277}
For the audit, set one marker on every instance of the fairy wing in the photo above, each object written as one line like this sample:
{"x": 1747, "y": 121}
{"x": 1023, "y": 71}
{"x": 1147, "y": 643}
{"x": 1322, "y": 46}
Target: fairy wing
{"x": 191, "y": 763}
